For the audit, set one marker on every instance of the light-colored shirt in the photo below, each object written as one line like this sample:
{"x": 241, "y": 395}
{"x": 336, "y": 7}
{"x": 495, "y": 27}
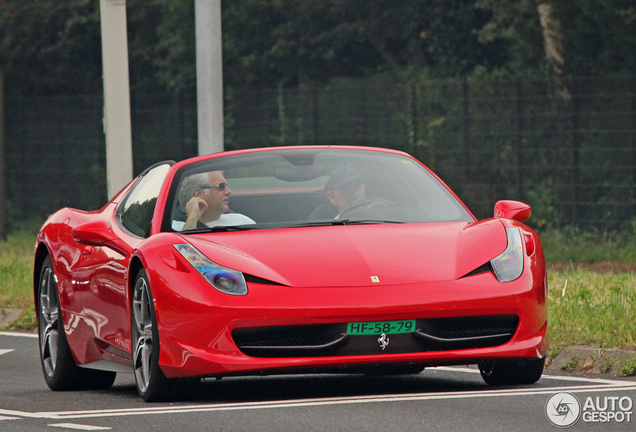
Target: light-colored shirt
{"x": 226, "y": 219}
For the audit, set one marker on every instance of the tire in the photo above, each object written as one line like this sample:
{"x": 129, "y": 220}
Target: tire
{"x": 59, "y": 368}
{"x": 526, "y": 371}
{"x": 152, "y": 384}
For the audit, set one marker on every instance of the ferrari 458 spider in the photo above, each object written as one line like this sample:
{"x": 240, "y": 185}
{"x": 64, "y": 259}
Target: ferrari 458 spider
{"x": 298, "y": 259}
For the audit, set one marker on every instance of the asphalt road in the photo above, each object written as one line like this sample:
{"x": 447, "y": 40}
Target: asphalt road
{"x": 438, "y": 399}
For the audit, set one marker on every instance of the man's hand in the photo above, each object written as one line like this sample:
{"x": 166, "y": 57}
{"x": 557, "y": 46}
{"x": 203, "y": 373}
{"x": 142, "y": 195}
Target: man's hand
{"x": 194, "y": 209}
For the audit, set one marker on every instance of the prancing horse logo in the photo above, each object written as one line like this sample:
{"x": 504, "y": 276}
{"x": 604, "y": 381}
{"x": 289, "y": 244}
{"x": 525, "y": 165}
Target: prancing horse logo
{"x": 383, "y": 341}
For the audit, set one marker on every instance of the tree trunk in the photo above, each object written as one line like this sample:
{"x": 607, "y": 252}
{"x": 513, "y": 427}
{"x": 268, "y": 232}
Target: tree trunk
{"x": 553, "y": 45}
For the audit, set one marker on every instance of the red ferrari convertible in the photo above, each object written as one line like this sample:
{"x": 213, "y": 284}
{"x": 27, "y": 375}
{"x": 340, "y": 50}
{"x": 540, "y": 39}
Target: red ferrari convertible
{"x": 296, "y": 259}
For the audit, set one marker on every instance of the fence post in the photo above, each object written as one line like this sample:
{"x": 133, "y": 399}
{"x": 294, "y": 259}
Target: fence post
{"x": 414, "y": 119}
{"x": 466, "y": 132}
{"x": 314, "y": 115}
{"x": 633, "y": 139}
{"x": 3, "y": 179}
{"x": 362, "y": 113}
{"x": 576, "y": 148}
{"x": 282, "y": 115}
{"x": 520, "y": 139}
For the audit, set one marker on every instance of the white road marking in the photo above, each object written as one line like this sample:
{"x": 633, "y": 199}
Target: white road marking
{"x": 544, "y": 376}
{"x": 4, "y": 351}
{"x": 17, "y": 334}
{"x": 78, "y": 426}
{"x": 613, "y": 387}
{"x": 594, "y": 385}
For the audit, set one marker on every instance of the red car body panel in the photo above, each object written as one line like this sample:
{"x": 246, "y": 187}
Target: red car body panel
{"x": 213, "y": 352}
{"x": 342, "y": 258}
{"x": 304, "y": 276}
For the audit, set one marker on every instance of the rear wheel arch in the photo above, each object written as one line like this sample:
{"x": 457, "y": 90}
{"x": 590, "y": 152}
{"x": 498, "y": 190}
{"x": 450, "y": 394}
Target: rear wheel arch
{"x": 41, "y": 252}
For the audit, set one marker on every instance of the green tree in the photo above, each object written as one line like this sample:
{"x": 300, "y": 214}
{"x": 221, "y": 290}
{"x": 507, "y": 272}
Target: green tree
{"x": 49, "y": 46}
{"x": 46, "y": 45}
{"x": 315, "y": 40}
{"x": 597, "y": 37}
{"x": 174, "y": 55}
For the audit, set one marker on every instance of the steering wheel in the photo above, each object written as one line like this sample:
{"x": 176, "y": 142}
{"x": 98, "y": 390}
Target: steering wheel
{"x": 367, "y": 202}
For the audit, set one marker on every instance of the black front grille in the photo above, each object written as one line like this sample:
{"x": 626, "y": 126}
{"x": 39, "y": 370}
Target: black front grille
{"x": 287, "y": 336}
{"x": 467, "y": 327}
{"x": 432, "y": 334}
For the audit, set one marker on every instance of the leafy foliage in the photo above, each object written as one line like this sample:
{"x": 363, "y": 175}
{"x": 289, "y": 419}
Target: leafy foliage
{"x": 322, "y": 39}
{"x": 48, "y": 46}
{"x": 598, "y": 36}
{"x": 52, "y": 47}
{"x": 55, "y": 47}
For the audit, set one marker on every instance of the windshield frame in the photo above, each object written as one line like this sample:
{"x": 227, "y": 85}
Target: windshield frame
{"x": 301, "y": 156}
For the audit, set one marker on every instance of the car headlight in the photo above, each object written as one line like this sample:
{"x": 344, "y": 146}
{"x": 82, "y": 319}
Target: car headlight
{"x": 223, "y": 279}
{"x": 509, "y": 265}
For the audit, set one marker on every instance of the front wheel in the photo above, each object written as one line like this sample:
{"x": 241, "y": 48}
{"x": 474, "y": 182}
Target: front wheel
{"x": 152, "y": 384}
{"x": 512, "y": 372}
{"x": 60, "y": 370}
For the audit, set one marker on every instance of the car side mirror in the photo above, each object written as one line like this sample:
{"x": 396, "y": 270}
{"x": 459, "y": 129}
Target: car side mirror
{"x": 514, "y": 210}
{"x": 99, "y": 233}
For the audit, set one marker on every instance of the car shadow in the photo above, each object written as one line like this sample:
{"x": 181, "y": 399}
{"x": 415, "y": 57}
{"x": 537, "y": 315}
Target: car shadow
{"x": 294, "y": 387}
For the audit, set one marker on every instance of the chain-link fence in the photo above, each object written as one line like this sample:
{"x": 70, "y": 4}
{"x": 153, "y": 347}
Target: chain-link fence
{"x": 572, "y": 158}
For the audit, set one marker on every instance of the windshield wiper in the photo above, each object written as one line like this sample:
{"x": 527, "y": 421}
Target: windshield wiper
{"x": 331, "y": 222}
{"x": 343, "y": 222}
{"x": 220, "y": 228}
{"x": 369, "y": 221}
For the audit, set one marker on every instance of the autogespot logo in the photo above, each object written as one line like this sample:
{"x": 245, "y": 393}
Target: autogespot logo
{"x": 563, "y": 409}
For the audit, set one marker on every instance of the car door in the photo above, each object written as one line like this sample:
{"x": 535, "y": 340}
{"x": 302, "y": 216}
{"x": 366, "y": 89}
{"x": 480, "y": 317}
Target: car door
{"x": 106, "y": 300}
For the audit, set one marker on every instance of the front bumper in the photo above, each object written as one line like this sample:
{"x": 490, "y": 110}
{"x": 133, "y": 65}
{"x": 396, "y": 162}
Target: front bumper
{"x": 199, "y": 330}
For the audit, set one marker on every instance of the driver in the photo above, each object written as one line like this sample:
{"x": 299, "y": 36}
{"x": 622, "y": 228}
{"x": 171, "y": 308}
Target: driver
{"x": 204, "y": 198}
{"x": 344, "y": 187}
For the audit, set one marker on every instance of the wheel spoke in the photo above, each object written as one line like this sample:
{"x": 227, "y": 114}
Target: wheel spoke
{"x": 141, "y": 305}
{"x": 49, "y": 321}
{"x": 146, "y": 356}
{"x": 143, "y": 353}
{"x": 143, "y": 326}
{"x": 45, "y": 296}
{"x": 45, "y": 346}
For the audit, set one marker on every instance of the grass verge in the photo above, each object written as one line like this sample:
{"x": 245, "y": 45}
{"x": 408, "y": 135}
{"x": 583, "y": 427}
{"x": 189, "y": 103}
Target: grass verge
{"x": 16, "y": 270}
{"x": 591, "y": 308}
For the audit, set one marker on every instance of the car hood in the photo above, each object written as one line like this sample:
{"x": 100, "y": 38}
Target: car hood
{"x": 357, "y": 255}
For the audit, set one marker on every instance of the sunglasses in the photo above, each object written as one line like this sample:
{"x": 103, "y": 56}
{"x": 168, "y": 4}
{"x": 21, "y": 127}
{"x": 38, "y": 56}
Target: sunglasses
{"x": 221, "y": 186}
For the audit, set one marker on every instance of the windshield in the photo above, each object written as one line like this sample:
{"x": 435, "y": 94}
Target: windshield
{"x": 304, "y": 187}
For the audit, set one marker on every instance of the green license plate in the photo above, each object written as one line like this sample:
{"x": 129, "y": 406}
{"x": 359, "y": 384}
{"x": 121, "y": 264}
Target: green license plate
{"x": 379, "y": 327}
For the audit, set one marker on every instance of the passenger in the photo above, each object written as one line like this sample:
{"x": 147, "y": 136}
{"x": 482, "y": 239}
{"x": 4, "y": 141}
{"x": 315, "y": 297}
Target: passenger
{"x": 344, "y": 187}
{"x": 206, "y": 197}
